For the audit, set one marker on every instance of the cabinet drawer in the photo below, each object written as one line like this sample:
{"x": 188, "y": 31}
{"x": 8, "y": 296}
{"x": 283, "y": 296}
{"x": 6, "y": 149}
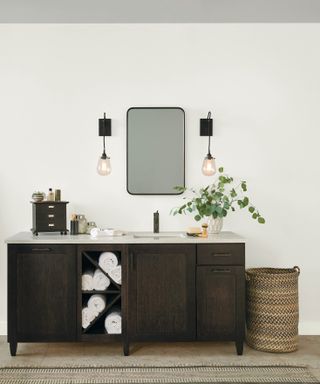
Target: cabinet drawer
{"x": 50, "y": 210}
{"x": 50, "y": 217}
{"x": 221, "y": 254}
{"x": 51, "y": 225}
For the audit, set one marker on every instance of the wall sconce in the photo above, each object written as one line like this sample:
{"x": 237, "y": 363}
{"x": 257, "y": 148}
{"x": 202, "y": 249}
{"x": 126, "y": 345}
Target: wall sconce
{"x": 104, "y": 165}
{"x": 209, "y": 162}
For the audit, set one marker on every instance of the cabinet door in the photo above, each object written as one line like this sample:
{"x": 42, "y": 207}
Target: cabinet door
{"x": 220, "y": 302}
{"x": 161, "y": 303}
{"x": 42, "y": 293}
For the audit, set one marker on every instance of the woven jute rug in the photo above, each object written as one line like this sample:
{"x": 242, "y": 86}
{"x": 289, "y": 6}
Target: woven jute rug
{"x": 157, "y": 375}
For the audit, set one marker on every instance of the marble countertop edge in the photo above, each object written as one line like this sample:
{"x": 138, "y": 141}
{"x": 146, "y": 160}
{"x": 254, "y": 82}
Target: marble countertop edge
{"x": 129, "y": 238}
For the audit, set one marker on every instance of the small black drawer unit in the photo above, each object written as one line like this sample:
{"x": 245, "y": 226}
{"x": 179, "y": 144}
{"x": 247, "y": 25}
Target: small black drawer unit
{"x": 49, "y": 216}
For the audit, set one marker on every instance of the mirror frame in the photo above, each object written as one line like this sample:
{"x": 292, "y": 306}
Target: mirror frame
{"x": 184, "y": 153}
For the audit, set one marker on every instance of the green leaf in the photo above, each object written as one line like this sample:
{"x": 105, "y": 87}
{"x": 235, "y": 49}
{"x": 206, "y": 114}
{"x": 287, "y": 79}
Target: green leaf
{"x": 251, "y": 209}
{"x": 179, "y": 188}
{"x": 254, "y": 216}
{"x": 244, "y": 186}
{"x": 208, "y": 211}
{"x": 245, "y": 201}
{"x": 197, "y": 217}
{"x": 220, "y": 169}
{"x": 261, "y": 220}
{"x": 233, "y": 193}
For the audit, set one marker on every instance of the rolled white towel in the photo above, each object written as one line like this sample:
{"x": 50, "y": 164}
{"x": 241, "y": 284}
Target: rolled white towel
{"x": 87, "y": 280}
{"x": 88, "y": 315}
{"x": 116, "y": 274}
{"x": 112, "y": 323}
{"x": 100, "y": 281}
{"x": 108, "y": 261}
{"x": 97, "y": 303}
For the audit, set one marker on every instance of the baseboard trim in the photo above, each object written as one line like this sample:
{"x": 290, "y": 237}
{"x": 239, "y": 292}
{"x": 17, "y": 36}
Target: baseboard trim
{"x": 305, "y": 328}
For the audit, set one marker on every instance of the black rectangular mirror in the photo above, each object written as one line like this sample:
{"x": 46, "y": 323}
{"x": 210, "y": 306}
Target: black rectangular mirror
{"x": 155, "y": 150}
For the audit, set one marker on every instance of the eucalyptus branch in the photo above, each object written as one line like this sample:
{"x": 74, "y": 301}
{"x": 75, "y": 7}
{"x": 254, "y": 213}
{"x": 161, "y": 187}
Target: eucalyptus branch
{"x": 216, "y": 200}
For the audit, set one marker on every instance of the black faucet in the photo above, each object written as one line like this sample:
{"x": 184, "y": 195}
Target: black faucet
{"x": 156, "y": 222}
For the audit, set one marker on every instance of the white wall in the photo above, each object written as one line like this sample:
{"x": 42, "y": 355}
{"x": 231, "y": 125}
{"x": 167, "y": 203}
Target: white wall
{"x": 262, "y": 83}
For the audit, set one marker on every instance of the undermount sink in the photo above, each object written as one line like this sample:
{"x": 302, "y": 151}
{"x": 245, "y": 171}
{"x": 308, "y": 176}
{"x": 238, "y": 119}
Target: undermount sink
{"x": 158, "y": 235}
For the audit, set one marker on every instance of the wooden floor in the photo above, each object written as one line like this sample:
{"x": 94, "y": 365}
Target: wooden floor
{"x": 157, "y": 354}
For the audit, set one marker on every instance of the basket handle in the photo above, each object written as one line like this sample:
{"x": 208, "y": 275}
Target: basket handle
{"x": 297, "y": 269}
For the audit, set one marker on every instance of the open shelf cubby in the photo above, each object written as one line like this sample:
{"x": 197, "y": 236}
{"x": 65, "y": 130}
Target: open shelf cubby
{"x": 96, "y": 329}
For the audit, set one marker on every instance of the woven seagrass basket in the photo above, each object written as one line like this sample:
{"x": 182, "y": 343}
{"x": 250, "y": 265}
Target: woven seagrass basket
{"x": 272, "y": 309}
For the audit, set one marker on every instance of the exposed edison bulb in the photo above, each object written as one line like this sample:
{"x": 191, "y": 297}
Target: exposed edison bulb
{"x": 209, "y": 166}
{"x": 104, "y": 166}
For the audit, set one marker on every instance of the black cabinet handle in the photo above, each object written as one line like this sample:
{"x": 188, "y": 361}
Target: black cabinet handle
{"x": 220, "y": 270}
{"x": 41, "y": 249}
{"x": 221, "y": 254}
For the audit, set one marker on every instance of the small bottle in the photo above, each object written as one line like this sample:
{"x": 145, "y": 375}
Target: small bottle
{"x": 50, "y": 196}
{"x": 91, "y": 225}
{"x": 74, "y": 225}
{"x": 82, "y": 224}
{"x": 57, "y": 195}
{"x": 204, "y": 230}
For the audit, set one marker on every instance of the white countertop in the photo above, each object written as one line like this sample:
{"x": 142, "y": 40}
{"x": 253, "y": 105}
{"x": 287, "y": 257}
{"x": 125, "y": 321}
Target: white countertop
{"x": 129, "y": 238}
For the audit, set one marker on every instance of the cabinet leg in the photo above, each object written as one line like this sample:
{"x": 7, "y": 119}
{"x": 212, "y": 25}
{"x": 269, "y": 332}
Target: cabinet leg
{"x": 126, "y": 348}
{"x": 13, "y": 348}
{"x": 239, "y": 347}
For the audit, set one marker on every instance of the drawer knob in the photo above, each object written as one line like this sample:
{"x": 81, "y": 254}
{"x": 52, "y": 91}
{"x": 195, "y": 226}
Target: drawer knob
{"x": 50, "y": 225}
{"x": 51, "y": 215}
{"x": 50, "y": 206}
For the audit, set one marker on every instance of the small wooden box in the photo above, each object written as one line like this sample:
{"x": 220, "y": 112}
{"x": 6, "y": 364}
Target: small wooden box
{"x": 49, "y": 216}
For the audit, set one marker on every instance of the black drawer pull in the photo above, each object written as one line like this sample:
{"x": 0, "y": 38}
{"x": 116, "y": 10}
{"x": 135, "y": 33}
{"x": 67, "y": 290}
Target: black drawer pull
{"x": 41, "y": 249}
{"x": 221, "y": 254}
{"x": 220, "y": 270}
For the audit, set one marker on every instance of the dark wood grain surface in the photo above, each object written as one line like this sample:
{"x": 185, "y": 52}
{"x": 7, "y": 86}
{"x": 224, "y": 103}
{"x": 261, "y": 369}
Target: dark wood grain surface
{"x": 169, "y": 292}
{"x": 162, "y": 292}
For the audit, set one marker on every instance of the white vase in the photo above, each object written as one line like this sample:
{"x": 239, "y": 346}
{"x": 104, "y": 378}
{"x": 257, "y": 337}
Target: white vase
{"x": 215, "y": 225}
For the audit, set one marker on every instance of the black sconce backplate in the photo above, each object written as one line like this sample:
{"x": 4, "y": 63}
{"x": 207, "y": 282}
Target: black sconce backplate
{"x": 206, "y": 127}
{"x": 104, "y": 127}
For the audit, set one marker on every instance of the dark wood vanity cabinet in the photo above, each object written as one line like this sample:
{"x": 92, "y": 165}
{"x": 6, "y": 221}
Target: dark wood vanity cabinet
{"x": 169, "y": 292}
{"x": 220, "y": 303}
{"x": 161, "y": 291}
{"x": 41, "y": 293}
{"x": 186, "y": 292}
{"x": 221, "y": 292}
